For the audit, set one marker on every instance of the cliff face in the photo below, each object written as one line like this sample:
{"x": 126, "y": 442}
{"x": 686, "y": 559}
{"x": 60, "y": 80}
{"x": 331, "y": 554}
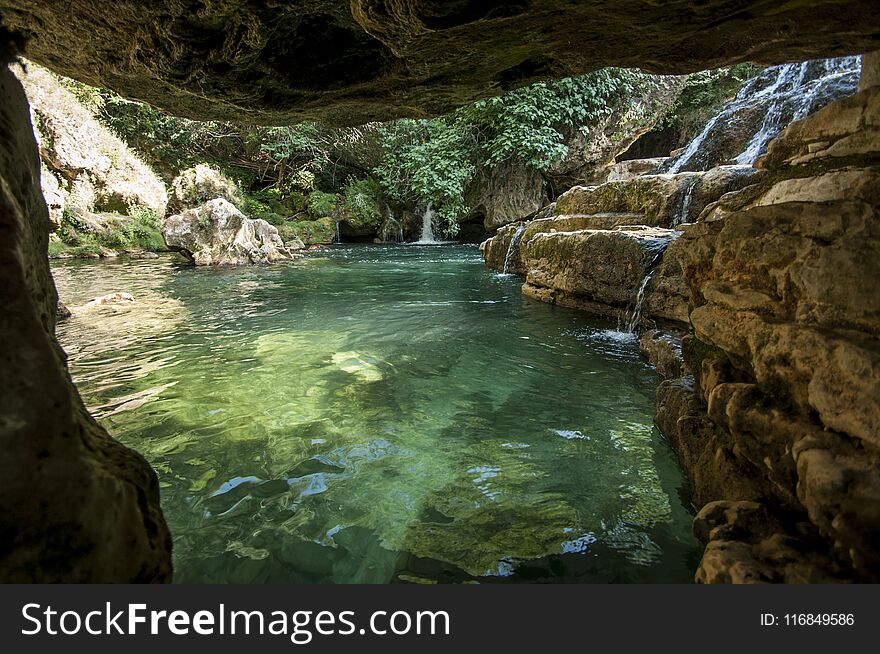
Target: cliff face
{"x": 774, "y": 270}
{"x": 356, "y": 61}
{"x": 782, "y": 421}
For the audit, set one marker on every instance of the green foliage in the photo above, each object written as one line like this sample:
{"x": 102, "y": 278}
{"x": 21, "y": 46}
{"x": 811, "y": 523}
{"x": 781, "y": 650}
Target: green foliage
{"x": 434, "y": 161}
{"x": 140, "y": 230}
{"x": 321, "y": 204}
{"x": 310, "y": 232}
{"x": 702, "y": 97}
{"x": 361, "y": 198}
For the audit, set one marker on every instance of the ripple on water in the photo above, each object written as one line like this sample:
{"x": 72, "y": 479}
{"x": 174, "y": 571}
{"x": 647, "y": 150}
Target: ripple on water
{"x": 381, "y": 413}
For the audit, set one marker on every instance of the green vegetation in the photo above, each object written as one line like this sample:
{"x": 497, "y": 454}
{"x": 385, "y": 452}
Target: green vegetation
{"x": 293, "y": 173}
{"x": 96, "y": 234}
{"x": 433, "y": 161}
{"x": 703, "y": 96}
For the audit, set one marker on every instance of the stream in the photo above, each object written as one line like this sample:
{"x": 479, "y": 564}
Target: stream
{"x": 378, "y": 414}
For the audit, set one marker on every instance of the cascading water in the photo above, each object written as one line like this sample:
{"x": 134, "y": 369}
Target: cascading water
{"x": 684, "y": 210}
{"x": 513, "y": 249}
{"x": 633, "y": 318}
{"x": 427, "y": 237}
{"x": 782, "y": 94}
{"x": 392, "y": 230}
{"x": 338, "y": 233}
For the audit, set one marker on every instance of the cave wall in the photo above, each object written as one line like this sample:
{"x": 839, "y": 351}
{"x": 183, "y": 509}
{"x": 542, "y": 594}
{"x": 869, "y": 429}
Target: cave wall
{"x": 77, "y": 506}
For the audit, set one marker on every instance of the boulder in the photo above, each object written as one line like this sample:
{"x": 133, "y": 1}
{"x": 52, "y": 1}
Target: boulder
{"x": 219, "y": 234}
{"x": 197, "y": 185}
{"x": 600, "y": 271}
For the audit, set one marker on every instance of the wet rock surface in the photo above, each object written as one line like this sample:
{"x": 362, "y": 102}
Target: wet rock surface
{"x": 785, "y": 349}
{"x": 356, "y": 62}
{"x": 219, "y": 234}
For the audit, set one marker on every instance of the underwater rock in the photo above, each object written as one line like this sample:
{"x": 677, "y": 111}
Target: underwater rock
{"x": 361, "y": 366}
{"x": 219, "y": 234}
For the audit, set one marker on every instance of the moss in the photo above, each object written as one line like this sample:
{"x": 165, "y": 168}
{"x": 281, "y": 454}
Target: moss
{"x": 321, "y": 204}
{"x": 136, "y": 232}
{"x": 696, "y": 351}
{"x": 310, "y": 232}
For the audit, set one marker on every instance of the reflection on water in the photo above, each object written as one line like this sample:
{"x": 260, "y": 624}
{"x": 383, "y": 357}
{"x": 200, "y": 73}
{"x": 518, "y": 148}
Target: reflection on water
{"x": 380, "y": 414}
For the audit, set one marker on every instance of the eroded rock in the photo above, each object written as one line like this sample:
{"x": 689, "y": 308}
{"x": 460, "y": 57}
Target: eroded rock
{"x": 219, "y": 234}
{"x": 358, "y": 61}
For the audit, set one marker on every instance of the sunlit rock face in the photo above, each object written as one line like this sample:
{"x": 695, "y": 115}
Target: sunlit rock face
{"x": 77, "y": 506}
{"x": 219, "y": 234}
{"x": 784, "y": 410}
{"x": 355, "y": 61}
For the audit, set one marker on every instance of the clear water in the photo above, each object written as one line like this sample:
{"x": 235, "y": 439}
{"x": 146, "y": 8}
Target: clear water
{"x": 381, "y": 414}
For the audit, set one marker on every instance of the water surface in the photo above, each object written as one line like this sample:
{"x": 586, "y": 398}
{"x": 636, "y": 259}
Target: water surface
{"x": 380, "y": 414}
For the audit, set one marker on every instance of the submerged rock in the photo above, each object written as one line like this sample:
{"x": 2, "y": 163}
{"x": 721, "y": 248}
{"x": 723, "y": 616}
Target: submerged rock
{"x": 219, "y": 234}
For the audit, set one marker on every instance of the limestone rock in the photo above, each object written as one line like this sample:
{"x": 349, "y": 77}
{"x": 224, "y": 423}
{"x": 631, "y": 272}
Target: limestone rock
{"x": 663, "y": 351}
{"x": 219, "y": 234}
{"x": 785, "y": 411}
{"x": 359, "y": 61}
{"x": 597, "y": 270}
{"x": 54, "y": 196}
{"x": 659, "y": 198}
{"x": 77, "y": 505}
{"x": 747, "y": 545}
{"x": 197, "y": 185}
{"x": 100, "y": 172}
{"x": 626, "y": 170}
{"x": 506, "y": 193}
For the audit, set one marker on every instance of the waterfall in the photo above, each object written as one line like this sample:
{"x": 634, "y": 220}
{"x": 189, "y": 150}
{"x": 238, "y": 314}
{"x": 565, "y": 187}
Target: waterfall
{"x": 338, "y": 233}
{"x": 513, "y": 248}
{"x": 782, "y": 94}
{"x": 633, "y": 319}
{"x": 685, "y": 208}
{"x": 427, "y": 237}
{"x": 390, "y": 224}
